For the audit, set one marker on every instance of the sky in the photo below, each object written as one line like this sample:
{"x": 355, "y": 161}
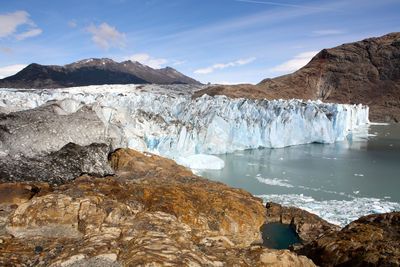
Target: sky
{"x": 217, "y": 41}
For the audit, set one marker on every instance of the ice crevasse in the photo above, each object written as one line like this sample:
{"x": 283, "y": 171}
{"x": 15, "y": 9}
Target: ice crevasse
{"x": 186, "y": 129}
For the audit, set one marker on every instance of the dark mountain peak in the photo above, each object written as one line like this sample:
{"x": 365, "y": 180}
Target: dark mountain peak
{"x": 168, "y": 68}
{"x": 93, "y": 71}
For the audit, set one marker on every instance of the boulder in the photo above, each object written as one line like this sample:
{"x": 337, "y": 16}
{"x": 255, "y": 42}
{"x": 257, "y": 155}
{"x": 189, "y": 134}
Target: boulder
{"x": 372, "y": 240}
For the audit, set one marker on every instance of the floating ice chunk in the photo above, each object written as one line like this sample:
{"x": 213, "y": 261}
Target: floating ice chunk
{"x": 379, "y": 123}
{"x": 340, "y": 212}
{"x": 274, "y": 181}
{"x": 202, "y": 162}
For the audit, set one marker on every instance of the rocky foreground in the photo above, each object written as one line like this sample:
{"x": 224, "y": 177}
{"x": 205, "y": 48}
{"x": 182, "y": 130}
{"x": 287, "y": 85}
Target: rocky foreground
{"x": 153, "y": 212}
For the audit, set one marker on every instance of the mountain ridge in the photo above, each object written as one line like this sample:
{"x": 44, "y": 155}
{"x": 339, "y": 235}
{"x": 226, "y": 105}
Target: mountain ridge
{"x": 367, "y": 72}
{"x": 93, "y": 71}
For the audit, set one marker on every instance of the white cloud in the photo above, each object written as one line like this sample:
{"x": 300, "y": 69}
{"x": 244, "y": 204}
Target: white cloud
{"x": 178, "y": 62}
{"x": 106, "y": 36}
{"x": 295, "y": 63}
{"x": 11, "y": 21}
{"x": 148, "y": 60}
{"x": 28, "y": 34}
{"x": 10, "y": 70}
{"x": 217, "y": 66}
{"x": 72, "y": 23}
{"x": 327, "y": 32}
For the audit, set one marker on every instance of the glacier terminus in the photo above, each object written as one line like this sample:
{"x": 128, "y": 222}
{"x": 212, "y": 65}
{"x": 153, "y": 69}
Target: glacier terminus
{"x": 166, "y": 120}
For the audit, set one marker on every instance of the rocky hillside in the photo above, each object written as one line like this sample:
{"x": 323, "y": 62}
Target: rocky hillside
{"x": 153, "y": 212}
{"x": 93, "y": 72}
{"x": 366, "y": 72}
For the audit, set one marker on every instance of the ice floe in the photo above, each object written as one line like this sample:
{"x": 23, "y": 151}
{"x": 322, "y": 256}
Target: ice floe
{"x": 340, "y": 212}
{"x": 274, "y": 181}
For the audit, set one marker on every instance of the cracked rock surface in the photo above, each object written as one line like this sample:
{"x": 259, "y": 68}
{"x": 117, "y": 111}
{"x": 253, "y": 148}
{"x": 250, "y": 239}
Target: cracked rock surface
{"x": 372, "y": 240}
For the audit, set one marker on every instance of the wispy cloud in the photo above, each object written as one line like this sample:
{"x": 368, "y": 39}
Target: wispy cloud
{"x": 10, "y": 70}
{"x": 219, "y": 30}
{"x": 28, "y": 34}
{"x": 11, "y": 21}
{"x": 327, "y": 32}
{"x": 280, "y": 4}
{"x": 106, "y": 36}
{"x": 295, "y": 63}
{"x": 218, "y": 66}
{"x": 148, "y": 60}
{"x": 72, "y": 23}
{"x": 6, "y": 50}
{"x": 178, "y": 62}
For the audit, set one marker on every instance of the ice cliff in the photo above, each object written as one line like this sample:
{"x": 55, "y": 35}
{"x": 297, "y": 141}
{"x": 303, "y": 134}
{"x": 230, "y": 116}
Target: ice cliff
{"x": 167, "y": 121}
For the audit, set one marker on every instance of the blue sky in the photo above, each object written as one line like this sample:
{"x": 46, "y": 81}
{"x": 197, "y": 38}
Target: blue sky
{"x": 219, "y": 41}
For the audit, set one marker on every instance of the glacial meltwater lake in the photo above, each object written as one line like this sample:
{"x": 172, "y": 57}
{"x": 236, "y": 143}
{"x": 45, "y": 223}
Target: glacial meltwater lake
{"x": 339, "y": 182}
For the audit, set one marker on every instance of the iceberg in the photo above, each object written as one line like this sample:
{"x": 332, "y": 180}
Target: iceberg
{"x": 201, "y": 162}
{"x": 166, "y": 120}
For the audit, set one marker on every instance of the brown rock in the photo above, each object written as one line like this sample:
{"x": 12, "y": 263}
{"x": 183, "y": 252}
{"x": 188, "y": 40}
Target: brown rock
{"x": 152, "y": 213}
{"x": 307, "y": 225}
{"x": 196, "y": 201}
{"x": 372, "y": 240}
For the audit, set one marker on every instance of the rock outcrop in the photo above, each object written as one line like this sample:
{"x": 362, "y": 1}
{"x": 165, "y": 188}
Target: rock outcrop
{"x": 151, "y": 213}
{"x": 307, "y": 225}
{"x": 372, "y": 240}
{"x": 365, "y": 72}
{"x": 93, "y": 71}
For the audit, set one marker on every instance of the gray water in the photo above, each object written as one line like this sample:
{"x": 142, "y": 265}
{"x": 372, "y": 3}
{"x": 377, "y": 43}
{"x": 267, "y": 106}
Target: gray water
{"x": 339, "y": 182}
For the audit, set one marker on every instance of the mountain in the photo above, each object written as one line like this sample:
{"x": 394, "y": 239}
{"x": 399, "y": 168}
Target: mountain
{"x": 365, "y": 72}
{"x": 93, "y": 72}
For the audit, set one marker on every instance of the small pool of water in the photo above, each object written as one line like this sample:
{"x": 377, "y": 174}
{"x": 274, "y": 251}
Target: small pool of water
{"x": 279, "y": 236}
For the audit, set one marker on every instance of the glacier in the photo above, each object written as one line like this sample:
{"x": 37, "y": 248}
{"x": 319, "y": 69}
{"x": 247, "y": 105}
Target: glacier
{"x": 165, "y": 120}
